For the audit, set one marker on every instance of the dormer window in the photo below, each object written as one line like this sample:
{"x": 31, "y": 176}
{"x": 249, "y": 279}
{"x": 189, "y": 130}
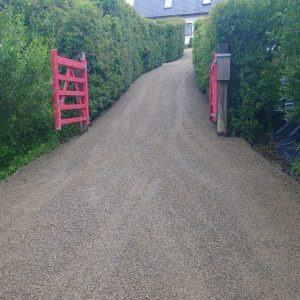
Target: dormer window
{"x": 168, "y": 3}
{"x": 206, "y": 1}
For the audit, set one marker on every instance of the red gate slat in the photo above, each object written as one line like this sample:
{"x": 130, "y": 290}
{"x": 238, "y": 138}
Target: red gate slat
{"x": 72, "y": 120}
{"x": 69, "y": 78}
{"x": 70, "y": 63}
{"x": 72, "y": 106}
{"x": 71, "y": 93}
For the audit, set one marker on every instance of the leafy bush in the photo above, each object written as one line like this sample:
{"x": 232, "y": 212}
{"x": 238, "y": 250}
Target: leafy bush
{"x": 254, "y": 85}
{"x": 120, "y": 45}
{"x": 287, "y": 35}
{"x": 190, "y": 45}
{"x": 203, "y": 49}
{"x": 26, "y": 114}
{"x": 174, "y": 46}
{"x": 263, "y": 38}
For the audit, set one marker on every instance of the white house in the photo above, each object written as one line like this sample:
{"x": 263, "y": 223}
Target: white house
{"x": 189, "y": 10}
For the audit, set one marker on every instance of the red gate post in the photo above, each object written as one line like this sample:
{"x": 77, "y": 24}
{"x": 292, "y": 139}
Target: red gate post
{"x": 86, "y": 90}
{"x": 213, "y": 90}
{"x": 57, "y": 114}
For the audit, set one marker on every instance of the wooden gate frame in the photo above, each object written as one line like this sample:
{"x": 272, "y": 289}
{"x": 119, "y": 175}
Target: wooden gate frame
{"x": 80, "y": 89}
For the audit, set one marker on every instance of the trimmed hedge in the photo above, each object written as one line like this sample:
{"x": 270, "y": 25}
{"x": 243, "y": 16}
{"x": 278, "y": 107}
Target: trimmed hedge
{"x": 263, "y": 38}
{"x": 287, "y": 34}
{"x": 174, "y": 46}
{"x": 120, "y": 45}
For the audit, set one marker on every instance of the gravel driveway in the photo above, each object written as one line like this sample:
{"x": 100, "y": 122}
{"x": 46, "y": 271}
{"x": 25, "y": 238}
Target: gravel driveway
{"x": 151, "y": 204}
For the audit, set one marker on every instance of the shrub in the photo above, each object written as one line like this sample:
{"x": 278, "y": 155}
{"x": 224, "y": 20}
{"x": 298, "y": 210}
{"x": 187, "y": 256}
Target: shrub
{"x": 120, "y": 45}
{"x": 203, "y": 48}
{"x": 254, "y": 85}
{"x": 263, "y": 38}
{"x": 287, "y": 35}
{"x": 174, "y": 36}
{"x": 26, "y": 114}
{"x": 190, "y": 45}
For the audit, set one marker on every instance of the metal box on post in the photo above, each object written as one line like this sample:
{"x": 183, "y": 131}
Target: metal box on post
{"x": 223, "y": 62}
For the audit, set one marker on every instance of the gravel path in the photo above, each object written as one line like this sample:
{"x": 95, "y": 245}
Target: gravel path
{"x": 151, "y": 204}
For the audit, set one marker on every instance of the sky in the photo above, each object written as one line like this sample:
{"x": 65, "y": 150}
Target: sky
{"x": 130, "y": 1}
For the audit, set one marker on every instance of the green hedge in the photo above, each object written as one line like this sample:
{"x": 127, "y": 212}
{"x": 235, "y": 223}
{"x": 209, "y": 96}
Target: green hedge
{"x": 287, "y": 34}
{"x": 174, "y": 46}
{"x": 263, "y": 38}
{"x": 120, "y": 45}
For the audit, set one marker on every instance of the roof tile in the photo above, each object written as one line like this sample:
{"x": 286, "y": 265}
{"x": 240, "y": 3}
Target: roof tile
{"x": 155, "y": 8}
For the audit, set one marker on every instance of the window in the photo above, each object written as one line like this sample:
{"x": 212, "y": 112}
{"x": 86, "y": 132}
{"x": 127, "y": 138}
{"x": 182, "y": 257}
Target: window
{"x": 206, "y": 1}
{"x": 168, "y": 3}
{"x": 188, "y": 29}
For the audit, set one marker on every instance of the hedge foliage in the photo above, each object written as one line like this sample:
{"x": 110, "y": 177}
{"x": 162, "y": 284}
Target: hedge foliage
{"x": 263, "y": 38}
{"x": 120, "y": 45}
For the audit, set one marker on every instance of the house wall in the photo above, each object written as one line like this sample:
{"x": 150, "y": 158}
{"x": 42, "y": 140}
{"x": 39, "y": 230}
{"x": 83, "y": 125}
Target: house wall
{"x": 191, "y": 19}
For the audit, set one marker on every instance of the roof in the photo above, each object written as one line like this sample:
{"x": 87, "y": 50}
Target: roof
{"x": 155, "y": 8}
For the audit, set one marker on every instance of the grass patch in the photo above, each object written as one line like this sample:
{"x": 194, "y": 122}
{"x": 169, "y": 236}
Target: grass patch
{"x": 23, "y": 160}
{"x": 296, "y": 168}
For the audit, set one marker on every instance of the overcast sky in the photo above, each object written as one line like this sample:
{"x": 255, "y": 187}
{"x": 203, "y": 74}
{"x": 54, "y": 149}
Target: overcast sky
{"x": 130, "y": 1}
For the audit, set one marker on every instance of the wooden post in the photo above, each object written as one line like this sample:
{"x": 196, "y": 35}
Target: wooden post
{"x": 223, "y": 61}
{"x": 222, "y": 108}
{"x": 84, "y": 87}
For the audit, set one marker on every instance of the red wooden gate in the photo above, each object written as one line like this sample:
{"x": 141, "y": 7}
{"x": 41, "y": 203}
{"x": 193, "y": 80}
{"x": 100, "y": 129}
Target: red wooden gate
{"x": 213, "y": 91}
{"x": 74, "y": 83}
